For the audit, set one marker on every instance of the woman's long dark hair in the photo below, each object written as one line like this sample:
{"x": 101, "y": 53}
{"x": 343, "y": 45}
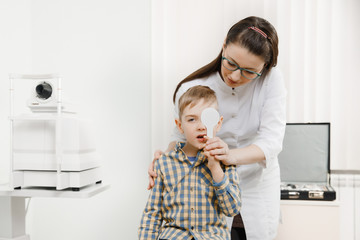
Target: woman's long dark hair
{"x": 253, "y": 41}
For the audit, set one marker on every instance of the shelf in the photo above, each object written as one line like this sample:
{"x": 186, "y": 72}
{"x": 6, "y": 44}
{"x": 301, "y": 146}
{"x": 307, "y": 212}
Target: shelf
{"x": 41, "y": 116}
{"x": 84, "y": 192}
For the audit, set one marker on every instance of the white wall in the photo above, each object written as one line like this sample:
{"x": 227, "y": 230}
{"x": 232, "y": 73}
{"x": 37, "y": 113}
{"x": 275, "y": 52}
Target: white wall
{"x": 15, "y": 53}
{"x": 102, "y": 51}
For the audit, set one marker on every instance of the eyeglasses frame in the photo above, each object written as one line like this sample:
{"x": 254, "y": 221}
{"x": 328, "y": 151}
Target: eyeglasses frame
{"x": 241, "y": 69}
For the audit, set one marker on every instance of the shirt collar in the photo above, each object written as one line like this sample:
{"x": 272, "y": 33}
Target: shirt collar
{"x": 200, "y": 157}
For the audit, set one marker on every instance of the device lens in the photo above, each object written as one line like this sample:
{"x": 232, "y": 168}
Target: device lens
{"x": 44, "y": 90}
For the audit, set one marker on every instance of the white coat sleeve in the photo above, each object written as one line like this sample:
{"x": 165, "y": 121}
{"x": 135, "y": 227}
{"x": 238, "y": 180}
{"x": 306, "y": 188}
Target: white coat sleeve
{"x": 272, "y": 119}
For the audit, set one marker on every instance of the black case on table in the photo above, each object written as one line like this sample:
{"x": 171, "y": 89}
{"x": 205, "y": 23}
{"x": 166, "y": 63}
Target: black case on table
{"x": 305, "y": 162}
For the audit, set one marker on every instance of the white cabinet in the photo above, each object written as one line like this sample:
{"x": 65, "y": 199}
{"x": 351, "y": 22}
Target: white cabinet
{"x": 310, "y": 220}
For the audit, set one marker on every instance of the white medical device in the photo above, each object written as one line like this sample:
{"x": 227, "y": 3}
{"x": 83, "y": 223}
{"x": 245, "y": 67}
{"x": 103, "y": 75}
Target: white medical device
{"x": 50, "y": 145}
{"x": 210, "y": 117}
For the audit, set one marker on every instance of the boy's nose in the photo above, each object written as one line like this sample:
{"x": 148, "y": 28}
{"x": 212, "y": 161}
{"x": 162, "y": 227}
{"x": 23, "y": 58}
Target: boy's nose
{"x": 201, "y": 126}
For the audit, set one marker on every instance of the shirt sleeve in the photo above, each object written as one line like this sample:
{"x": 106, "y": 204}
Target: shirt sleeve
{"x": 273, "y": 118}
{"x": 152, "y": 216}
{"x": 228, "y": 192}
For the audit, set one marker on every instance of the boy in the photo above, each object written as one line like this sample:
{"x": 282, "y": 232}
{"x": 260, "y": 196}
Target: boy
{"x": 192, "y": 192}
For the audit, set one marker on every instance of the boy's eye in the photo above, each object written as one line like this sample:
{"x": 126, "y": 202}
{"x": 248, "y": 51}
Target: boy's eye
{"x": 191, "y": 119}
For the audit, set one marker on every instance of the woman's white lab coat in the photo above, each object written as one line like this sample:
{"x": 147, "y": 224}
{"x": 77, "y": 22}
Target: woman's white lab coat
{"x": 254, "y": 113}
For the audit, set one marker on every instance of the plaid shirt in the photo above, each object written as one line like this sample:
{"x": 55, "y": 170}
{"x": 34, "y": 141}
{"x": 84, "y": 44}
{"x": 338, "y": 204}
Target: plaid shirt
{"x": 188, "y": 200}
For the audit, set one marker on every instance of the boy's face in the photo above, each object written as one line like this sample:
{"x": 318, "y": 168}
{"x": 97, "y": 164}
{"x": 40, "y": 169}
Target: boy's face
{"x": 191, "y": 126}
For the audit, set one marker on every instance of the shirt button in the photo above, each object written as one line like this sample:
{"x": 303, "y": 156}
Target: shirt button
{"x": 192, "y": 228}
{"x": 192, "y": 209}
{"x": 191, "y": 189}
{"x": 233, "y": 94}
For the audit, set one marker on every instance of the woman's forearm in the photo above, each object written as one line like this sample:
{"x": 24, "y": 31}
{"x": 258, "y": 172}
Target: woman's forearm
{"x": 247, "y": 155}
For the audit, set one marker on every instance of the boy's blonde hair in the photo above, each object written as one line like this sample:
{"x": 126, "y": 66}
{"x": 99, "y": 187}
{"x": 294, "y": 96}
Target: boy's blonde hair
{"x": 193, "y": 95}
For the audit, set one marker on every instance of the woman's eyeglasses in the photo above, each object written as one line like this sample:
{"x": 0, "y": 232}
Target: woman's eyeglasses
{"x": 246, "y": 73}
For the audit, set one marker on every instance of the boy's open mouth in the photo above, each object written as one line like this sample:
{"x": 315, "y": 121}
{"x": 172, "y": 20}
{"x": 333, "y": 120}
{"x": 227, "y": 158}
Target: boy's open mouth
{"x": 201, "y": 137}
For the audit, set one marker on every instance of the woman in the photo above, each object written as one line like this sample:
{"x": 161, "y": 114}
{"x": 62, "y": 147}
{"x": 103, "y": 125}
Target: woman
{"x": 252, "y": 99}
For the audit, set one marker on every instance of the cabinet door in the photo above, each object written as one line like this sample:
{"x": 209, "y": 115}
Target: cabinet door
{"x": 309, "y": 220}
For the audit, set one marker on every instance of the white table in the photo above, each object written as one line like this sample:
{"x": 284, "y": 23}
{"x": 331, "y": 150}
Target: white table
{"x": 12, "y": 207}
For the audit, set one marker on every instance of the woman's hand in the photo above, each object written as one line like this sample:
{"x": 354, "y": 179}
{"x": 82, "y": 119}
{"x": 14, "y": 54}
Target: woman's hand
{"x": 219, "y": 150}
{"x": 151, "y": 172}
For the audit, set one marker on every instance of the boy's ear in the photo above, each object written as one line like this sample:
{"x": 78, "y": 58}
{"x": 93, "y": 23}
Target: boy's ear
{"x": 179, "y": 126}
{"x": 219, "y": 124}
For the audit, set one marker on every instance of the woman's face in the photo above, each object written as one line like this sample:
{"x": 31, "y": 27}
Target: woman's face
{"x": 244, "y": 59}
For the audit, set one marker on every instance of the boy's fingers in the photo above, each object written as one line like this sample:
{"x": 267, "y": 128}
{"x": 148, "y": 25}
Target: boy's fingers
{"x": 210, "y": 140}
{"x": 208, "y": 155}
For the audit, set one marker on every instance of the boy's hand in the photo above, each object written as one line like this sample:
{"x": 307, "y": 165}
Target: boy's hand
{"x": 212, "y": 162}
{"x": 151, "y": 172}
{"x": 215, "y": 167}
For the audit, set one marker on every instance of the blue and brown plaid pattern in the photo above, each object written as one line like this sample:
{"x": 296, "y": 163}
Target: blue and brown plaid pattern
{"x": 188, "y": 201}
